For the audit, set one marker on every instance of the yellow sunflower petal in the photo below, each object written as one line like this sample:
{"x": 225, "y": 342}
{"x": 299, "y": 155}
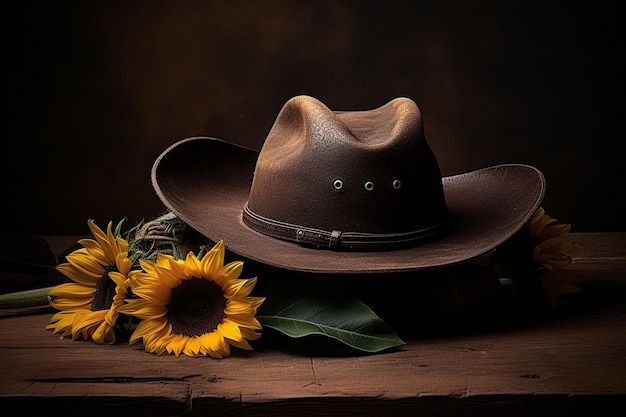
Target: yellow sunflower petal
{"x": 243, "y": 344}
{"x": 73, "y": 291}
{"x": 146, "y": 328}
{"x": 71, "y": 304}
{"x": 241, "y": 287}
{"x": 214, "y": 345}
{"x": 106, "y": 241}
{"x": 86, "y": 262}
{"x": 248, "y": 305}
{"x": 157, "y": 342}
{"x": 170, "y": 272}
{"x": 122, "y": 245}
{"x": 558, "y": 262}
{"x": 554, "y": 230}
{"x": 62, "y": 322}
{"x": 177, "y": 344}
{"x": 246, "y": 321}
{"x": 93, "y": 249}
{"x": 213, "y": 260}
{"x": 143, "y": 309}
{"x": 192, "y": 265}
{"x": 193, "y": 347}
{"x": 104, "y": 334}
{"x": 229, "y": 330}
{"x": 153, "y": 294}
{"x": 538, "y": 222}
{"x": 119, "y": 279}
{"x": 250, "y": 334}
{"x": 85, "y": 321}
{"x": 123, "y": 263}
{"x": 555, "y": 245}
{"x": 78, "y": 276}
{"x": 231, "y": 271}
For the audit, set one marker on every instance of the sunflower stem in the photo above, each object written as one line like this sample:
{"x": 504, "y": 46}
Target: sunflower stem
{"x": 24, "y": 299}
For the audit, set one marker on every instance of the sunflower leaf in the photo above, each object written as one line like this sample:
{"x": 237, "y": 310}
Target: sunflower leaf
{"x": 339, "y": 316}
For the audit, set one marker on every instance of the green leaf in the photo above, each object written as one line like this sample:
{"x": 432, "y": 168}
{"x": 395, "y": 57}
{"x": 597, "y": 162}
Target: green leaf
{"x": 340, "y": 316}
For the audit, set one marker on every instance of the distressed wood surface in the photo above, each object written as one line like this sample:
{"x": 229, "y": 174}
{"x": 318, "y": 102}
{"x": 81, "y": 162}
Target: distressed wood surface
{"x": 570, "y": 363}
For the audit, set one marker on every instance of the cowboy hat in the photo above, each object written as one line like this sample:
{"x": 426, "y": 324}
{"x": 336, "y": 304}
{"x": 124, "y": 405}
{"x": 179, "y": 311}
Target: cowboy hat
{"x": 343, "y": 192}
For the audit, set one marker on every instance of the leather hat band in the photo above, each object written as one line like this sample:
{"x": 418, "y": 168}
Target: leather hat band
{"x": 337, "y": 240}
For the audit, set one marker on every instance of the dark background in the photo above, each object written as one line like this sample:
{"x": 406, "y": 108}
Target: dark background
{"x": 95, "y": 91}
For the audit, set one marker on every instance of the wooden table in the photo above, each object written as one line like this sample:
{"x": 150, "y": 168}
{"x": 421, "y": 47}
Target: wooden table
{"x": 571, "y": 363}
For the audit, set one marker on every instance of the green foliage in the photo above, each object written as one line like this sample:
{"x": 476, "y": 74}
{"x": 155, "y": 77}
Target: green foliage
{"x": 301, "y": 312}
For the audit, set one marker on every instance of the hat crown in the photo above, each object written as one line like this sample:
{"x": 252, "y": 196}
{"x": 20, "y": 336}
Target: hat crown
{"x": 370, "y": 174}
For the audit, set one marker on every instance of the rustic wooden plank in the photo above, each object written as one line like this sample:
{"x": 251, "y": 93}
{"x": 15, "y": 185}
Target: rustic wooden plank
{"x": 556, "y": 357}
{"x": 574, "y": 361}
{"x": 572, "y": 350}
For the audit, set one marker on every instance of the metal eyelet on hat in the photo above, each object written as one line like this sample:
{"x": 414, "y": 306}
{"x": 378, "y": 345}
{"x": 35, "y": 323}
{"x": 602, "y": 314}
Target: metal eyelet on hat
{"x": 396, "y": 184}
{"x": 369, "y": 186}
{"x": 338, "y": 184}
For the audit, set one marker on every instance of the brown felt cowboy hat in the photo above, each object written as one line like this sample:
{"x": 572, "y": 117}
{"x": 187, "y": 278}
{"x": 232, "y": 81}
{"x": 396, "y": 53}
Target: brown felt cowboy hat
{"x": 343, "y": 192}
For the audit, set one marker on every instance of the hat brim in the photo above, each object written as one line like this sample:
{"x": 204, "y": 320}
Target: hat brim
{"x": 206, "y": 182}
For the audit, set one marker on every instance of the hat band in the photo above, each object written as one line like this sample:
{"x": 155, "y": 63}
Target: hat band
{"x": 336, "y": 239}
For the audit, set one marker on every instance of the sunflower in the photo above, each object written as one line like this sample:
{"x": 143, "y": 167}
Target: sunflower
{"x": 89, "y": 306}
{"x": 549, "y": 258}
{"x": 197, "y": 306}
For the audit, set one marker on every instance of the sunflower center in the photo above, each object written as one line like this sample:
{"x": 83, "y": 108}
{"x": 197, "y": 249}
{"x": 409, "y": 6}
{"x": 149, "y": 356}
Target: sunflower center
{"x": 105, "y": 291}
{"x": 196, "y": 307}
